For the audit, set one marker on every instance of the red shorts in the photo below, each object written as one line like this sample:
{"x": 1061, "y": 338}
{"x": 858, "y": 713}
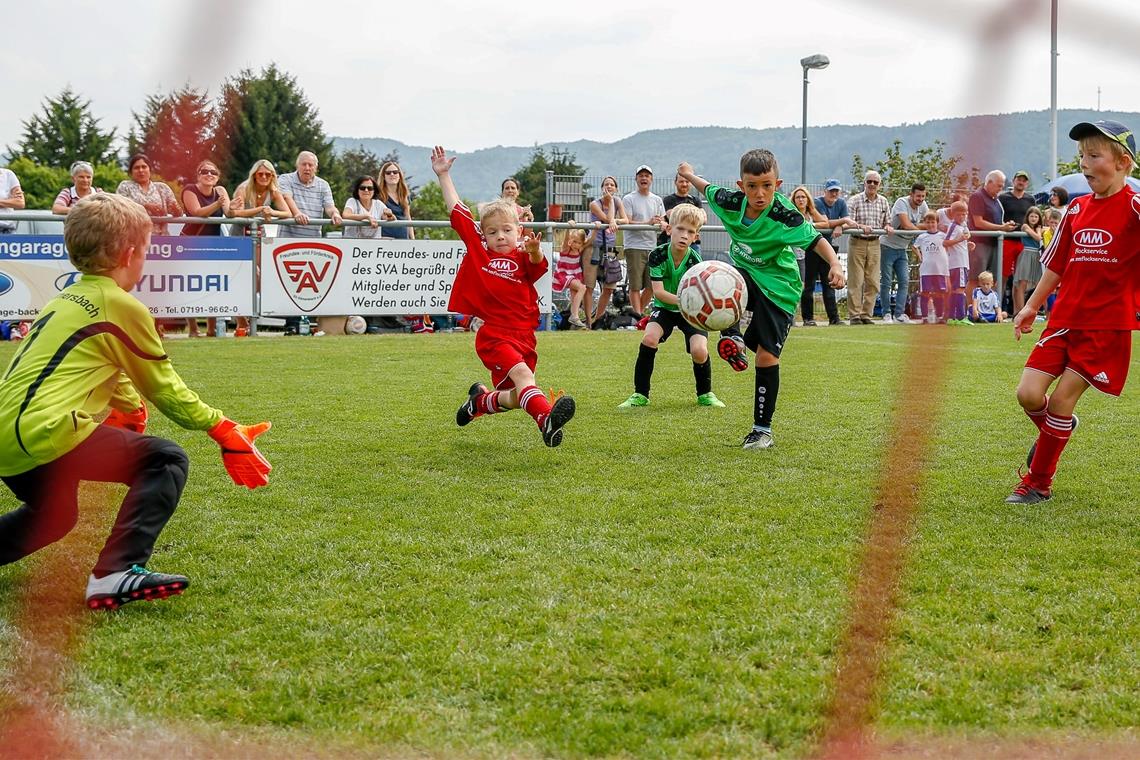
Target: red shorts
{"x": 1101, "y": 357}
{"x": 1010, "y": 250}
{"x": 500, "y": 349}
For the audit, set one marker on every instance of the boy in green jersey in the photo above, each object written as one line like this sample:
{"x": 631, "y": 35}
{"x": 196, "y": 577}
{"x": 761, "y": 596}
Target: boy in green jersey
{"x": 93, "y": 346}
{"x": 764, "y": 227}
{"x": 667, "y": 263}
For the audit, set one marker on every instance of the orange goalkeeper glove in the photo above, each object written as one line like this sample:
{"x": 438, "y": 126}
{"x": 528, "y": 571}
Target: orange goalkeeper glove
{"x": 134, "y": 421}
{"x": 245, "y": 464}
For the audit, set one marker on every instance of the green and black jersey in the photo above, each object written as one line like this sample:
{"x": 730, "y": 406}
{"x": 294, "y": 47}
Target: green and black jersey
{"x": 93, "y": 346}
{"x": 764, "y": 247}
{"x": 663, "y": 270}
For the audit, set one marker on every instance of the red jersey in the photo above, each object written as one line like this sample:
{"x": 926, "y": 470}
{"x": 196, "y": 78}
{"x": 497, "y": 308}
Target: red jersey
{"x": 496, "y": 287}
{"x": 1096, "y": 251}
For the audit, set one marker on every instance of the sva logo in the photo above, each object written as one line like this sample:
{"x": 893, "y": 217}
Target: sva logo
{"x": 307, "y": 272}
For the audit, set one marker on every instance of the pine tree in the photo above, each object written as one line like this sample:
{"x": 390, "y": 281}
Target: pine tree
{"x": 65, "y": 132}
{"x": 176, "y": 132}
{"x": 532, "y": 176}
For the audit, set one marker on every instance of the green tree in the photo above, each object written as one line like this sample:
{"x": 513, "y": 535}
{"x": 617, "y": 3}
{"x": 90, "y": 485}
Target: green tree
{"x": 428, "y": 205}
{"x": 41, "y": 184}
{"x": 266, "y": 115}
{"x": 359, "y": 162}
{"x": 176, "y": 132}
{"x": 1074, "y": 167}
{"x": 65, "y": 132}
{"x": 928, "y": 165}
{"x": 532, "y": 176}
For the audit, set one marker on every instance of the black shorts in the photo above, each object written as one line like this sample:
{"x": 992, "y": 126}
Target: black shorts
{"x": 668, "y": 320}
{"x": 770, "y": 324}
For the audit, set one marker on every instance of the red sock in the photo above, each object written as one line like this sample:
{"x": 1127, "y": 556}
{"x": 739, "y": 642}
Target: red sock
{"x": 1038, "y": 417}
{"x": 533, "y": 401}
{"x": 488, "y": 403}
{"x": 1050, "y": 443}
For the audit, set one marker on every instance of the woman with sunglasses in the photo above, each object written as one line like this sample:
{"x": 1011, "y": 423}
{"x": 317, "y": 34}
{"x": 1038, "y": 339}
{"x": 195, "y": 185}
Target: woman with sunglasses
{"x": 259, "y": 195}
{"x": 208, "y": 200}
{"x": 393, "y": 193}
{"x": 362, "y": 206}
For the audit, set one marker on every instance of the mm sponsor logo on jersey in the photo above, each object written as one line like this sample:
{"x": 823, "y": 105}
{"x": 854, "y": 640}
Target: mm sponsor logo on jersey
{"x": 66, "y": 280}
{"x": 503, "y": 266}
{"x": 307, "y": 272}
{"x": 1093, "y": 237}
{"x": 6, "y": 283}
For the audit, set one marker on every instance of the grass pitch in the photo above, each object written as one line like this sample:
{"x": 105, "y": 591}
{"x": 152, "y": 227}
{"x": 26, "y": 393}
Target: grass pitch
{"x": 647, "y": 589}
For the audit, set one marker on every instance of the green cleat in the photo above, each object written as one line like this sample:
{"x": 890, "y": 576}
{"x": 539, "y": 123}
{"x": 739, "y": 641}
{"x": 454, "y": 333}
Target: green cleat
{"x": 635, "y": 400}
{"x": 706, "y": 399}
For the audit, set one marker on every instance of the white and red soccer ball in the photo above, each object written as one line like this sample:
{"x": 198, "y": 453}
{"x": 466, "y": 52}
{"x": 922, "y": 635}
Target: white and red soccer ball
{"x": 712, "y": 296}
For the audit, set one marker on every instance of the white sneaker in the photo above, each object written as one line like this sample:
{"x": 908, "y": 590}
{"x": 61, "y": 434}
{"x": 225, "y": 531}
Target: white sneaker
{"x": 132, "y": 585}
{"x": 903, "y": 319}
{"x": 888, "y": 319}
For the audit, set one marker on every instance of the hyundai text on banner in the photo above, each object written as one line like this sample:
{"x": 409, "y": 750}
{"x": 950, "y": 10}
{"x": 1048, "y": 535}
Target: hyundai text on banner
{"x": 328, "y": 277}
{"x": 183, "y": 276}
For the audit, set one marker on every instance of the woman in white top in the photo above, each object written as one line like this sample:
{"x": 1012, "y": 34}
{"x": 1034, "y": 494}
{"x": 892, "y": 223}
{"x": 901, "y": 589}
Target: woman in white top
{"x": 363, "y": 206}
{"x": 82, "y": 175}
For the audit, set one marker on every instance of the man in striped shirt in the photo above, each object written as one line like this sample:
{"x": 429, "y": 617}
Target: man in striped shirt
{"x": 308, "y": 196}
{"x": 870, "y": 211}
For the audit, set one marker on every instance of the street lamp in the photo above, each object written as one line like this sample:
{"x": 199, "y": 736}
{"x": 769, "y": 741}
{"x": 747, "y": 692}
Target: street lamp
{"x": 816, "y": 61}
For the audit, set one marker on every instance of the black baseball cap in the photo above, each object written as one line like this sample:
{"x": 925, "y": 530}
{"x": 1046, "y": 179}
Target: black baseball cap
{"x": 1113, "y": 130}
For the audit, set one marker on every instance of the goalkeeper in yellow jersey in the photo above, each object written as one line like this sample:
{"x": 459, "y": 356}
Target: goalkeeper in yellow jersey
{"x": 93, "y": 346}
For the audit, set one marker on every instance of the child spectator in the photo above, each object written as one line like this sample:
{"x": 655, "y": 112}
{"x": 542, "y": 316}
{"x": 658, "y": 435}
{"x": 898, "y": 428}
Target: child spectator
{"x": 92, "y": 346}
{"x": 958, "y": 247}
{"x": 1028, "y": 269}
{"x": 568, "y": 274}
{"x": 934, "y": 269}
{"x": 764, "y": 228}
{"x": 986, "y": 303}
{"x": 495, "y": 282}
{"x": 1088, "y": 341}
{"x": 1053, "y": 218}
{"x": 667, "y": 264}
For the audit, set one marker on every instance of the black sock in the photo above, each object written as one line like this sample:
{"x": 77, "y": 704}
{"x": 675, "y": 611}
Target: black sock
{"x": 703, "y": 375}
{"x": 643, "y": 370}
{"x": 767, "y": 388}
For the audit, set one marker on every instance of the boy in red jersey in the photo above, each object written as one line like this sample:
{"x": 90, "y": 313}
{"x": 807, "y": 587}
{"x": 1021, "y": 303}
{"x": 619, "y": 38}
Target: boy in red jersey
{"x": 495, "y": 282}
{"x": 1088, "y": 341}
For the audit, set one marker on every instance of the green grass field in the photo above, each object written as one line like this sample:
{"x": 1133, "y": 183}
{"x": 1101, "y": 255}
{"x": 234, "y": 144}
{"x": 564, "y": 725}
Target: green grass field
{"x": 404, "y": 586}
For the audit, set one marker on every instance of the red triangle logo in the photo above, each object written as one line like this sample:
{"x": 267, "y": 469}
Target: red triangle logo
{"x": 307, "y": 271}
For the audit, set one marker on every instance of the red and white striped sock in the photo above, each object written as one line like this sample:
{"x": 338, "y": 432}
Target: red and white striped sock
{"x": 1050, "y": 443}
{"x": 488, "y": 403}
{"x": 1038, "y": 417}
{"x": 534, "y": 402}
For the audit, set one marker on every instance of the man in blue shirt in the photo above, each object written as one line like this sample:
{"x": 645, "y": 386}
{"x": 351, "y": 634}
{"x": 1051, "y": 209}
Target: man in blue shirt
{"x": 831, "y": 205}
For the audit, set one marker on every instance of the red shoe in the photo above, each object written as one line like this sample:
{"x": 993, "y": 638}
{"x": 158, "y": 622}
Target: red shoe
{"x": 731, "y": 348}
{"x": 641, "y": 323}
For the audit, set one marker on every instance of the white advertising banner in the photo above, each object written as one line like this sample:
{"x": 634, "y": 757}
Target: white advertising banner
{"x": 335, "y": 276}
{"x": 183, "y": 276}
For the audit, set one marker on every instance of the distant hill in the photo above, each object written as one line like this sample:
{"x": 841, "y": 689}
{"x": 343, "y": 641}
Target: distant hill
{"x": 1016, "y": 141}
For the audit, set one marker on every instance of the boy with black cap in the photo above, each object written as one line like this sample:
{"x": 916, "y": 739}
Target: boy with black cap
{"x": 1088, "y": 340}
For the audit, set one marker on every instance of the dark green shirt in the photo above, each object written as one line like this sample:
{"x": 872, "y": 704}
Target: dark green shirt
{"x": 663, "y": 270}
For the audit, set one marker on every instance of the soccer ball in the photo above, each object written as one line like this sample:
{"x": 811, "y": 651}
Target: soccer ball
{"x": 355, "y": 325}
{"x": 712, "y": 296}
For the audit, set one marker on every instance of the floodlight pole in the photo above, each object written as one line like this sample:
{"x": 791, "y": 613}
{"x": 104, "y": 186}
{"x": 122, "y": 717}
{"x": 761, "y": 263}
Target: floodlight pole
{"x": 1053, "y": 92}
{"x": 816, "y": 61}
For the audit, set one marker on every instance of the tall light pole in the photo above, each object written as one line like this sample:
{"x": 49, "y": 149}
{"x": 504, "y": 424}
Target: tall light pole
{"x": 816, "y": 61}
{"x": 1053, "y": 91}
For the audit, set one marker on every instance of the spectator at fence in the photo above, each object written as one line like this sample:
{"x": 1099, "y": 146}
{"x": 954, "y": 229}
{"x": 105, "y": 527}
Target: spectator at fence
{"x": 986, "y": 302}
{"x": 986, "y": 214}
{"x": 833, "y": 206}
{"x": 933, "y": 270}
{"x": 11, "y": 198}
{"x": 394, "y": 194}
{"x": 308, "y": 197}
{"x": 207, "y": 199}
{"x": 606, "y": 212}
{"x": 907, "y": 214}
{"x": 643, "y": 207}
{"x": 1015, "y": 202}
{"x": 156, "y": 197}
{"x": 812, "y": 265}
{"x": 509, "y": 191}
{"x": 1028, "y": 270}
{"x": 82, "y": 174}
{"x": 362, "y": 206}
{"x": 958, "y": 247}
{"x": 870, "y": 211}
{"x": 259, "y": 195}
{"x": 1058, "y": 198}
{"x": 568, "y": 274}
{"x": 673, "y": 200}
{"x": 944, "y": 212}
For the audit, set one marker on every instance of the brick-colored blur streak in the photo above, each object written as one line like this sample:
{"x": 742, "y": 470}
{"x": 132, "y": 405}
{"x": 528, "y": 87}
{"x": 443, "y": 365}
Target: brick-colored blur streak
{"x": 871, "y": 611}
{"x": 49, "y": 620}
